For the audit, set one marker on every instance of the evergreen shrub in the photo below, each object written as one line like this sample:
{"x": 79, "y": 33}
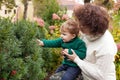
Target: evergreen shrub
{"x": 20, "y": 56}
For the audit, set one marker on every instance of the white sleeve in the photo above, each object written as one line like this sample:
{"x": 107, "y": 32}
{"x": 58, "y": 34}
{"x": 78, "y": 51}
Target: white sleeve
{"x": 89, "y": 69}
{"x": 98, "y": 70}
{"x": 80, "y": 1}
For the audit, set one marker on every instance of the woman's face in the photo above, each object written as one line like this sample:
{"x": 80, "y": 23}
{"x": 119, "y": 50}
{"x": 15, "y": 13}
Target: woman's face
{"x": 84, "y": 30}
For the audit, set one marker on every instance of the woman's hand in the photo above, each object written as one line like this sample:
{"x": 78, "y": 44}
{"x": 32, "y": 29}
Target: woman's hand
{"x": 70, "y": 56}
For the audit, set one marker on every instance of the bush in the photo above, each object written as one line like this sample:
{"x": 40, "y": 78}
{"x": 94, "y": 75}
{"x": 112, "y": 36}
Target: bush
{"x": 116, "y": 34}
{"x": 20, "y": 56}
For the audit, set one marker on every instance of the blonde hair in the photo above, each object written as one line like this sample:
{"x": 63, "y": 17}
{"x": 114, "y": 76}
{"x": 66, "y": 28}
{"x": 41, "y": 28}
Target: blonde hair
{"x": 71, "y": 26}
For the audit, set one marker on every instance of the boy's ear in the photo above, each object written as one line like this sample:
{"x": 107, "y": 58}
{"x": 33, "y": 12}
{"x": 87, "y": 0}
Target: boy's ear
{"x": 74, "y": 35}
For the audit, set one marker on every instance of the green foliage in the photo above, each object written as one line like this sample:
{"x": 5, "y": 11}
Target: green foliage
{"x": 105, "y": 3}
{"x": 116, "y": 34}
{"x": 117, "y": 64}
{"x": 52, "y": 58}
{"x": 116, "y": 19}
{"x": 45, "y": 9}
{"x": 20, "y": 56}
{"x": 55, "y": 57}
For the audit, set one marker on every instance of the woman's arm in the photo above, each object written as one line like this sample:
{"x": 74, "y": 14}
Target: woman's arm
{"x": 96, "y": 71}
{"x": 89, "y": 69}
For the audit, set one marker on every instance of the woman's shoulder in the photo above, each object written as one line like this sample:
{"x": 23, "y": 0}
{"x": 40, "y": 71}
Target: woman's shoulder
{"x": 107, "y": 43}
{"x": 104, "y": 39}
{"x": 107, "y": 38}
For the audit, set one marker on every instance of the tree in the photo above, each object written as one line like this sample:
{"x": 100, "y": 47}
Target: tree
{"x": 20, "y": 56}
{"x": 45, "y": 9}
{"x": 25, "y": 2}
{"x": 87, "y": 1}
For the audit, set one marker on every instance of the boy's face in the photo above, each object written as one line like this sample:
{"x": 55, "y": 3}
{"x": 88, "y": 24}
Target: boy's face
{"x": 66, "y": 36}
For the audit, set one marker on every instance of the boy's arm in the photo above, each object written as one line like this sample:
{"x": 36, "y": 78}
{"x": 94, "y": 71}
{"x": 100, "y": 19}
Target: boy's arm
{"x": 52, "y": 43}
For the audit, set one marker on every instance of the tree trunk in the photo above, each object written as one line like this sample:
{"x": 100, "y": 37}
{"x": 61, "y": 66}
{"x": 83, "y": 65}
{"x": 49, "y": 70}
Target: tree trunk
{"x": 87, "y": 1}
{"x": 25, "y": 10}
{"x": 105, "y": 2}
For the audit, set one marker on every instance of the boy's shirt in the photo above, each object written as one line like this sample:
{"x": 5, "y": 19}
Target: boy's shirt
{"x": 76, "y": 44}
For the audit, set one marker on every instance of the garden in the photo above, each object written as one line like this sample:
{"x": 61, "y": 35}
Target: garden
{"x": 21, "y": 58}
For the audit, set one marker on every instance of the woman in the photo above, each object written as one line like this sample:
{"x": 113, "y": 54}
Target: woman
{"x": 101, "y": 48}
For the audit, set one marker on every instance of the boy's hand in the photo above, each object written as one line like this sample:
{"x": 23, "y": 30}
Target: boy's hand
{"x": 40, "y": 42}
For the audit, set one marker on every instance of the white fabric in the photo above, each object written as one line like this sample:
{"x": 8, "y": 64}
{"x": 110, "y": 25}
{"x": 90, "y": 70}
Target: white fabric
{"x": 80, "y": 1}
{"x": 99, "y": 62}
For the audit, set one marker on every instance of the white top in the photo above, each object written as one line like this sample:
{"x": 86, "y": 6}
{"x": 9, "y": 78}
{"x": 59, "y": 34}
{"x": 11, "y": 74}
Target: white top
{"x": 99, "y": 62}
{"x": 79, "y": 1}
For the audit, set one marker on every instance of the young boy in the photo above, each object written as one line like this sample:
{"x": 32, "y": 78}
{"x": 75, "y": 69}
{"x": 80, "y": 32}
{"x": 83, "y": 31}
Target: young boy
{"x": 69, "y": 40}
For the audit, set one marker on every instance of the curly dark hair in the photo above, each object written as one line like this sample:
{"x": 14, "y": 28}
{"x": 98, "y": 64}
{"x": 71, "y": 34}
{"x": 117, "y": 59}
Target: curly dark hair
{"x": 93, "y": 18}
